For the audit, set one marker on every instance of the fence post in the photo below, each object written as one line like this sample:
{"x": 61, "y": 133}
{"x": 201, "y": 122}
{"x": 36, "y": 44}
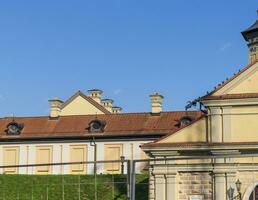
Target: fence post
{"x": 122, "y": 164}
{"x": 128, "y": 179}
{"x": 132, "y": 179}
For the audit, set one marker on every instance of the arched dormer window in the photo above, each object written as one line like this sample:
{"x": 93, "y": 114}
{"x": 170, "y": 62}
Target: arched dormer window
{"x": 97, "y": 126}
{"x": 14, "y": 128}
{"x": 184, "y": 121}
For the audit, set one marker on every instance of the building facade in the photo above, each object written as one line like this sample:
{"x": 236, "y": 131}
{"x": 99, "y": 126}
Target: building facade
{"x": 220, "y": 147}
{"x": 84, "y": 128}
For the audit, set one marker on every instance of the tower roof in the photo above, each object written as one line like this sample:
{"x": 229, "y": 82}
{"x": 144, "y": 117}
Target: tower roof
{"x": 249, "y": 32}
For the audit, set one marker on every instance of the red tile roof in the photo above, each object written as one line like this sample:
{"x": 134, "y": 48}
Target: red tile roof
{"x": 130, "y": 124}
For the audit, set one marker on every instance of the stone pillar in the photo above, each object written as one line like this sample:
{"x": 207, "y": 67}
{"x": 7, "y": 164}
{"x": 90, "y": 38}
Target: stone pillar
{"x": 151, "y": 185}
{"x": 171, "y": 185}
{"x": 220, "y": 192}
{"x": 160, "y": 187}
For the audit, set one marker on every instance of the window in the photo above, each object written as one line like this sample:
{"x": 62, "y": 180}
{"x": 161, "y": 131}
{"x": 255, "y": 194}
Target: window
{"x": 113, "y": 152}
{"x": 14, "y": 128}
{"x": 43, "y": 156}
{"x": 10, "y": 157}
{"x": 78, "y": 153}
{"x": 97, "y": 126}
{"x": 185, "y": 121}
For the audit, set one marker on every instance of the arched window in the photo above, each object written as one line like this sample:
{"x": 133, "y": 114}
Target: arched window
{"x": 97, "y": 126}
{"x": 14, "y": 128}
{"x": 254, "y": 195}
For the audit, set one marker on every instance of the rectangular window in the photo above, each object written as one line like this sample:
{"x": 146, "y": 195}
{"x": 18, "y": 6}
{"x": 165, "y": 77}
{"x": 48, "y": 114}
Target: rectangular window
{"x": 113, "y": 152}
{"x": 10, "y": 157}
{"x": 43, "y": 156}
{"x": 78, "y": 153}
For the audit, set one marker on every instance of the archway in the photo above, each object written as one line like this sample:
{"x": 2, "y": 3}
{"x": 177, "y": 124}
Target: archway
{"x": 251, "y": 192}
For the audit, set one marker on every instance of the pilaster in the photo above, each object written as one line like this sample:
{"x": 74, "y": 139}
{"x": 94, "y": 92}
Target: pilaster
{"x": 216, "y": 124}
{"x": 220, "y": 192}
{"x": 160, "y": 187}
{"x": 171, "y": 184}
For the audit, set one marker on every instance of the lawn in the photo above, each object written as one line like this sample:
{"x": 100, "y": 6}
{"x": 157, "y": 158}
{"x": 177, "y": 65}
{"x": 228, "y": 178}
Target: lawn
{"x": 69, "y": 187}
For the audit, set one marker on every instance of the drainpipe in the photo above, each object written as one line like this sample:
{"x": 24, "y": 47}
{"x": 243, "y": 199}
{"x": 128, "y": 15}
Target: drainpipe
{"x": 93, "y": 144}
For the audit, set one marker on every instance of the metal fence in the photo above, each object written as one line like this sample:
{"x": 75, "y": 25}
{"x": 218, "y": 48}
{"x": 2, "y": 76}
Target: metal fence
{"x": 52, "y": 182}
{"x": 125, "y": 182}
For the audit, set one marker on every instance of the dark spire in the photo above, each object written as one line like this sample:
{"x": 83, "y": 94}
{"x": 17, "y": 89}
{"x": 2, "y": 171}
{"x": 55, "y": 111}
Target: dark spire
{"x": 251, "y": 31}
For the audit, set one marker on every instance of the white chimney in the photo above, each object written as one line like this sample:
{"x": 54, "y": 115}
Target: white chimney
{"x": 156, "y": 103}
{"x": 95, "y": 94}
{"x": 117, "y": 110}
{"x": 55, "y": 107}
{"x": 108, "y": 104}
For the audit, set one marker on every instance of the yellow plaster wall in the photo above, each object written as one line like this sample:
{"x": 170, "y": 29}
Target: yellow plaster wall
{"x": 246, "y": 82}
{"x": 248, "y": 85}
{"x": 197, "y": 132}
{"x": 244, "y": 128}
{"x": 80, "y": 106}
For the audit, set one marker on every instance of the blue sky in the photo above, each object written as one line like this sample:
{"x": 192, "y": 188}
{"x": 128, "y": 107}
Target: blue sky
{"x": 128, "y": 48}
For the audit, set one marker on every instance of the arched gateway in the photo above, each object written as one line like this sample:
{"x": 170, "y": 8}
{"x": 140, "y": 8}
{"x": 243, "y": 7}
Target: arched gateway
{"x": 251, "y": 192}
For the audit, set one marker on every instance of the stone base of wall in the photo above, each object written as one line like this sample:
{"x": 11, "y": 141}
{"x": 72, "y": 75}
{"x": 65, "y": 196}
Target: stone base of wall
{"x": 197, "y": 183}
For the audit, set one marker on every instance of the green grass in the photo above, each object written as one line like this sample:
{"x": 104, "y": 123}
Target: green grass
{"x": 69, "y": 187}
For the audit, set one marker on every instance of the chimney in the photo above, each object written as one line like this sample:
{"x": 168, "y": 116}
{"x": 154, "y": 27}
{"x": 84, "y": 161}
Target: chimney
{"x": 156, "y": 103}
{"x": 55, "y": 107}
{"x": 117, "y": 110}
{"x": 95, "y": 94}
{"x": 108, "y": 104}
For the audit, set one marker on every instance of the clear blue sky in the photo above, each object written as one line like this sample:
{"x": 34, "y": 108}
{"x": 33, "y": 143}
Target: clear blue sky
{"x": 128, "y": 48}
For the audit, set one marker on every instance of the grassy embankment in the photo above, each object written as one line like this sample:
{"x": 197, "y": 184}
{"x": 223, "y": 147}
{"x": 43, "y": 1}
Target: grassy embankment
{"x": 69, "y": 187}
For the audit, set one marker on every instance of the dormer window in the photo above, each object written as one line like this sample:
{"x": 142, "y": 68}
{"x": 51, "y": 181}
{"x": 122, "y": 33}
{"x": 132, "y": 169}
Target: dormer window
{"x": 14, "y": 128}
{"x": 97, "y": 126}
{"x": 185, "y": 121}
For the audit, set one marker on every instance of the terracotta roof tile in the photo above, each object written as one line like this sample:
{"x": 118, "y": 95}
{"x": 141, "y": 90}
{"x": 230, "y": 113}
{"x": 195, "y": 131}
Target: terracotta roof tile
{"x": 130, "y": 124}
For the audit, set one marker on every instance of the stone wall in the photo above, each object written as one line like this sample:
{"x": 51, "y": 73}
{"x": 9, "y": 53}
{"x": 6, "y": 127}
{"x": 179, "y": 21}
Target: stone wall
{"x": 197, "y": 183}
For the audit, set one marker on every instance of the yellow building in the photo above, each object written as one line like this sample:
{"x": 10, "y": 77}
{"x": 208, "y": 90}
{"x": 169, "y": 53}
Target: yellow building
{"x": 74, "y": 127}
{"x": 220, "y": 148}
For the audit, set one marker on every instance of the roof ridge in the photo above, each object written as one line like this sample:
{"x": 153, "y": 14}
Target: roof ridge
{"x": 129, "y": 113}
